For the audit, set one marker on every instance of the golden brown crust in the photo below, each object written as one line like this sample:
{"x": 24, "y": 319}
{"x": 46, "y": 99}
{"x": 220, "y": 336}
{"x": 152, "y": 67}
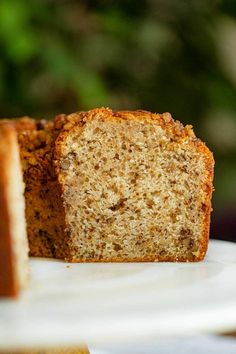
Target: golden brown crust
{"x": 36, "y": 142}
{"x": 66, "y": 123}
{"x": 208, "y": 187}
{"x": 8, "y": 284}
{"x": 176, "y": 130}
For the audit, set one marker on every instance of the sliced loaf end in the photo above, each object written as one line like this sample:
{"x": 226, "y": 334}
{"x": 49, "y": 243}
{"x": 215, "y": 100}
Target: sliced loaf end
{"x": 136, "y": 186}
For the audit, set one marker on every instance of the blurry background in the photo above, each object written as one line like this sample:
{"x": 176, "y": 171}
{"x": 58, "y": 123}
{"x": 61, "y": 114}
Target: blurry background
{"x": 159, "y": 55}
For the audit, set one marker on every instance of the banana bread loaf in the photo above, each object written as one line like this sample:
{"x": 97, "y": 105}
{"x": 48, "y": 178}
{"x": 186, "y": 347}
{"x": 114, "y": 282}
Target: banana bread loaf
{"x": 115, "y": 186}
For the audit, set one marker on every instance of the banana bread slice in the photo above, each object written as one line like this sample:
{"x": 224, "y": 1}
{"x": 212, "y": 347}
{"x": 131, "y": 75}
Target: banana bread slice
{"x": 14, "y": 268}
{"x": 135, "y": 186}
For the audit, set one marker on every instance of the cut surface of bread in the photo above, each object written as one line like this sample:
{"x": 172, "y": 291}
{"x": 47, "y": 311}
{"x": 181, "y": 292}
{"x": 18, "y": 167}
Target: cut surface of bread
{"x": 14, "y": 268}
{"x": 135, "y": 186}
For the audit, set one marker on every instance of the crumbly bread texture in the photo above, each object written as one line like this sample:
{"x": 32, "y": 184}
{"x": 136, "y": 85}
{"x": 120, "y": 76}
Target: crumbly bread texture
{"x": 14, "y": 267}
{"x": 135, "y": 186}
{"x": 44, "y": 210}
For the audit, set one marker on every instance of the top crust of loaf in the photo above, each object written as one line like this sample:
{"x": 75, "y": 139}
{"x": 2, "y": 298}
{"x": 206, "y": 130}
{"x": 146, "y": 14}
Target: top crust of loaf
{"x": 36, "y": 139}
{"x": 174, "y": 129}
{"x": 64, "y": 123}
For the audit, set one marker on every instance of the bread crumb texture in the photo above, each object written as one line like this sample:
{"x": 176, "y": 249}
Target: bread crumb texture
{"x": 135, "y": 186}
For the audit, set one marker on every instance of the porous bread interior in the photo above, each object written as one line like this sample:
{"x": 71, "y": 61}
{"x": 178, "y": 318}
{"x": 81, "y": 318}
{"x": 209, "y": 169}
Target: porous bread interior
{"x": 16, "y": 209}
{"x": 131, "y": 191}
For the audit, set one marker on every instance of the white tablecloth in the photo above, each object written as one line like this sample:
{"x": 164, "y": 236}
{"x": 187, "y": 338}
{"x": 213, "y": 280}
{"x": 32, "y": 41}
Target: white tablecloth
{"x": 190, "y": 345}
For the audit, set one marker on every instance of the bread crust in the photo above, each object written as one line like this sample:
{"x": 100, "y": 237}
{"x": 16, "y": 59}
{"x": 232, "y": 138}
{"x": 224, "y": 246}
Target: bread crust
{"x": 66, "y": 124}
{"x": 8, "y": 284}
{"x": 208, "y": 187}
{"x": 43, "y": 204}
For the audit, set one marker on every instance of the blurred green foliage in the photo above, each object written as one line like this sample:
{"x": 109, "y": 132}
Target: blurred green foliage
{"x": 160, "y": 55}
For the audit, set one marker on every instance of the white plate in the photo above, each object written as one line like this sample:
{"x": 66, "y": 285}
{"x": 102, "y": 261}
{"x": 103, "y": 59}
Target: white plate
{"x": 101, "y": 303}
